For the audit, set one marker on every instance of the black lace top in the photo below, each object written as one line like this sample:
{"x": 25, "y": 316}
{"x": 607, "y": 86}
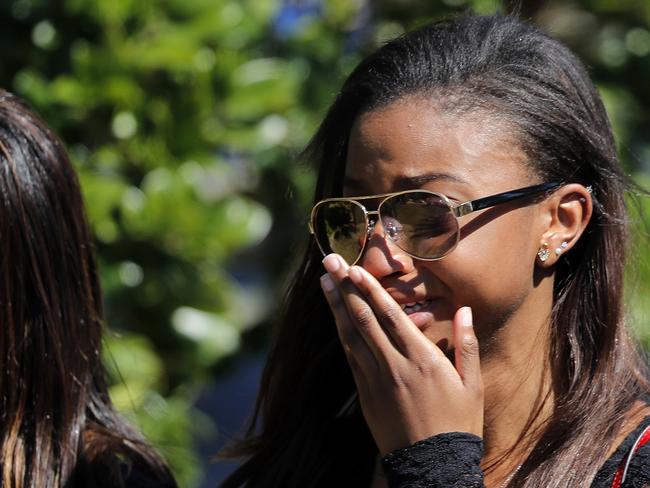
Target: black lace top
{"x": 452, "y": 460}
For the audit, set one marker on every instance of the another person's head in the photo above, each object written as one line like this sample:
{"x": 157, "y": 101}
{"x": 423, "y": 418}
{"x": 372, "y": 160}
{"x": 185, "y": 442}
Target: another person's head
{"x": 58, "y": 425}
{"x": 468, "y": 108}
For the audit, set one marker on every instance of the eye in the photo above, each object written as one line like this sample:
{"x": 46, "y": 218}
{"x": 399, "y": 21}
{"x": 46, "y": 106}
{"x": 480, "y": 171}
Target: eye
{"x": 430, "y": 227}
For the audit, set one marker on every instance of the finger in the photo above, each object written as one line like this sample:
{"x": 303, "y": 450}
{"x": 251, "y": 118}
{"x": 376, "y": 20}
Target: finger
{"x": 409, "y": 340}
{"x": 466, "y": 349}
{"x": 358, "y": 354}
{"x": 359, "y": 311}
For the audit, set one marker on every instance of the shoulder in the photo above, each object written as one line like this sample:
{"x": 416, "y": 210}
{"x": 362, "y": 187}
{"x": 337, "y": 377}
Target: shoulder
{"x": 638, "y": 472}
{"x": 635, "y": 448}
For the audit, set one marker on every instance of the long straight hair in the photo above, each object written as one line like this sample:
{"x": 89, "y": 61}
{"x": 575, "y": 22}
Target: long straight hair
{"x": 58, "y": 426}
{"x": 511, "y": 71}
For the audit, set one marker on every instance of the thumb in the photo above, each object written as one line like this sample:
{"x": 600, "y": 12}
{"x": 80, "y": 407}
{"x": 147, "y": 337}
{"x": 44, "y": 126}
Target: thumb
{"x": 466, "y": 349}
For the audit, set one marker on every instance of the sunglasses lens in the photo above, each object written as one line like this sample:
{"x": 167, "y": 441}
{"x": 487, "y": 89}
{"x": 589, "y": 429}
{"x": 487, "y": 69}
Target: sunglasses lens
{"x": 340, "y": 227}
{"x": 420, "y": 223}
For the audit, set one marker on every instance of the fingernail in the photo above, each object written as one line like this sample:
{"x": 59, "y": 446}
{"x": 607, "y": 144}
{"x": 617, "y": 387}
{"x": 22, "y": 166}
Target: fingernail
{"x": 466, "y": 318}
{"x": 355, "y": 275}
{"x": 327, "y": 283}
{"x": 331, "y": 263}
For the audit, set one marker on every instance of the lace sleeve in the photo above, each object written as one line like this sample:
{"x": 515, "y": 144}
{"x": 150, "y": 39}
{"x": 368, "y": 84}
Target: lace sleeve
{"x": 443, "y": 461}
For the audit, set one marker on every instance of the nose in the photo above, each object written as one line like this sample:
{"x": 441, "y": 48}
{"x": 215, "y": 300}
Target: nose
{"x": 382, "y": 257}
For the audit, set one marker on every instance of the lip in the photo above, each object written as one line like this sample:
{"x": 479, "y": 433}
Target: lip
{"x": 415, "y": 291}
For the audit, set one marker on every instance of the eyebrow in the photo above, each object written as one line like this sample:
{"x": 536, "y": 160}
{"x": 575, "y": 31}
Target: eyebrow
{"x": 407, "y": 182}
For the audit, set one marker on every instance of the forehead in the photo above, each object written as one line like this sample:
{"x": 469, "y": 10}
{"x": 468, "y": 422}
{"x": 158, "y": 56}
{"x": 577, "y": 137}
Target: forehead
{"x": 413, "y": 143}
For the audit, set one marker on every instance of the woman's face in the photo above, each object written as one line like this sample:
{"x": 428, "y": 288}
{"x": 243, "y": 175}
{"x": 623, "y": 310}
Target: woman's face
{"x": 411, "y": 144}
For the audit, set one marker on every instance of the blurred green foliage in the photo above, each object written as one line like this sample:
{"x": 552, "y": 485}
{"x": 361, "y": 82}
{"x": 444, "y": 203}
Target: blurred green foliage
{"x": 184, "y": 119}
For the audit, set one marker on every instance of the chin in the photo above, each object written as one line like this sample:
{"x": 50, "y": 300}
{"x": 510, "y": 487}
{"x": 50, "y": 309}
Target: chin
{"x": 438, "y": 332}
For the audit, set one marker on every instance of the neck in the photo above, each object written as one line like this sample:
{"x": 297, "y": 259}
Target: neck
{"x": 518, "y": 393}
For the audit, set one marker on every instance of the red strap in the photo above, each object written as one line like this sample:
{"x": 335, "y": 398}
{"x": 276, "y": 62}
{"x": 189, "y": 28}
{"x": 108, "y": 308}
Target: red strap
{"x": 625, "y": 462}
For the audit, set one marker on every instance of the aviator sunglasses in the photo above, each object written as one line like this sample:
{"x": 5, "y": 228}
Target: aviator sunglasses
{"x": 421, "y": 223}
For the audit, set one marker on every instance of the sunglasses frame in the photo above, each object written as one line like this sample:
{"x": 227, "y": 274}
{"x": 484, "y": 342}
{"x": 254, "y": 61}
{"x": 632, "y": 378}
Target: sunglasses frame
{"x": 457, "y": 209}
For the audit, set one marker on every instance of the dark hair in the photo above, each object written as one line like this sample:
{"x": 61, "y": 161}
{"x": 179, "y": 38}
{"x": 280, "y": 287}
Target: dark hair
{"x": 58, "y": 426}
{"x": 509, "y": 70}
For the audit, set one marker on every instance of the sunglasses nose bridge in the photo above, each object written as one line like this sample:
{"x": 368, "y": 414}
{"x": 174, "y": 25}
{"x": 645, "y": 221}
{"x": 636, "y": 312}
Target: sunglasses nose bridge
{"x": 373, "y": 219}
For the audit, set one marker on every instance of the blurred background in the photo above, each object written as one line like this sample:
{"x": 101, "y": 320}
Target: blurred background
{"x": 185, "y": 119}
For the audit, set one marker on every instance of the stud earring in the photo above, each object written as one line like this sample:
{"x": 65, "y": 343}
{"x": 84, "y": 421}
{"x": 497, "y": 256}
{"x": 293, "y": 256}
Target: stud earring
{"x": 544, "y": 252}
{"x": 562, "y": 247}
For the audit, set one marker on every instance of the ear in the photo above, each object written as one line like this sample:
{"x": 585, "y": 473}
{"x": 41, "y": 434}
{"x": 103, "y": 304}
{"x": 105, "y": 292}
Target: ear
{"x": 566, "y": 215}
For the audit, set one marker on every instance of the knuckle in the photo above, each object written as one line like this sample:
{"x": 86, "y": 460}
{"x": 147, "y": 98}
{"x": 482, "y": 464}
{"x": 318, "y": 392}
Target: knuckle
{"x": 424, "y": 366}
{"x": 364, "y": 317}
{"x": 470, "y": 346}
{"x": 397, "y": 380}
{"x": 413, "y": 371}
{"x": 390, "y": 314}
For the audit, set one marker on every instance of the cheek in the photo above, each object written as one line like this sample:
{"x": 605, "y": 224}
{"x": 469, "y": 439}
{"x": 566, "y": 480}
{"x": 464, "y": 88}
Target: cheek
{"x": 491, "y": 270}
